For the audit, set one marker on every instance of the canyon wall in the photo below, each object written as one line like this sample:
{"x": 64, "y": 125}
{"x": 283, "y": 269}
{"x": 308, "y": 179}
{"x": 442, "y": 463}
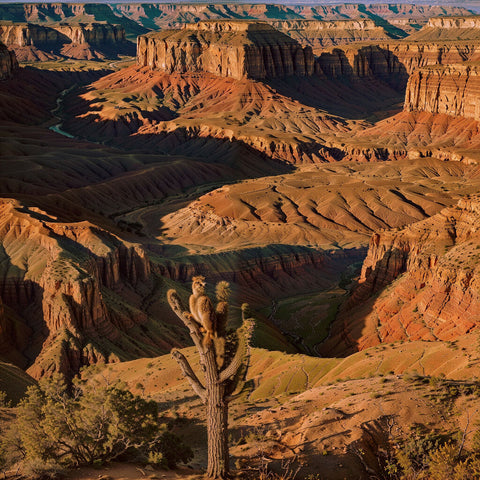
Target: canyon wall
{"x": 453, "y": 90}
{"x": 354, "y": 61}
{"x": 83, "y": 41}
{"x": 413, "y": 55}
{"x": 61, "y": 282}
{"x": 24, "y": 34}
{"x": 229, "y": 49}
{"x": 319, "y": 34}
{"x": 138, "y": 17}
{"x": 8, "y": 62}
{"x": 418, "y": 283}
{"x": 256, "y": 50}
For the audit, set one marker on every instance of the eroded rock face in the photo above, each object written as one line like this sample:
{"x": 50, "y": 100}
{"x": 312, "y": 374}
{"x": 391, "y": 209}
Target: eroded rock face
{"x": 60, "y": 281}
{"x": 8, "y": 62}
{"x": 363, "y": 61}
{"x": 84, "y": 41}
{"x": 228, "y": 49}
{"x": 413, "y": 55}
{"x": 24, "y": 34}
{"x": 422, "y": 282}
{"x": 454, "y": 90}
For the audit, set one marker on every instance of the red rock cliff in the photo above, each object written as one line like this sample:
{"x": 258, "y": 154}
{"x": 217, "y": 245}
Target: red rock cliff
{"x": 422, "y": 282}
{"x": 24, "y": 34}
{"x": 454, "y": 90}
{"x": 62, "y": 283}
{"x": 229, "y": 49}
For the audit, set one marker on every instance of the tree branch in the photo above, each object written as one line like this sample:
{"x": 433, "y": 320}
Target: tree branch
{"x": 244, "y": 333}
{"x": 187, "y": 370}
{"x": 186, "y": 317}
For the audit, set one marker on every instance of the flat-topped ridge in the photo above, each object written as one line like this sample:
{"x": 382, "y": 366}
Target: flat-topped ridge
{"x": 470, "y": 21}
{"x": 236, "y": 49}
{"x": 229, "y": 26}
{"x": 356, "y": 24}
{"x": 229, "y": 33}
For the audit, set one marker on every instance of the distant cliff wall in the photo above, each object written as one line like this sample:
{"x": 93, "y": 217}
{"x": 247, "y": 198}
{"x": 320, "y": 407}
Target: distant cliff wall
{"x": 454, "y": 90}
{"x": 319, "y": 34}
{"x": 26, "y": 34}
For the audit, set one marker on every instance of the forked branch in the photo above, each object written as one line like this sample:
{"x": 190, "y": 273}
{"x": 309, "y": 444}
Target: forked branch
{"x": 192, "y": 378}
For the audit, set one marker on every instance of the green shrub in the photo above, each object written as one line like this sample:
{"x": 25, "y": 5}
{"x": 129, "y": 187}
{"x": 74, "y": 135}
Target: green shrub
{"x": 88, "y": 423}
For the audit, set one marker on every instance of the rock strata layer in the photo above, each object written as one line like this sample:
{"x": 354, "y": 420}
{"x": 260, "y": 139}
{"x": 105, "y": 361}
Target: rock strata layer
{"x": 228, "y": 49}
{"x": 319, "y": 34}
{"x": 453, "y": 90}
{"x": 39, "y": 42}
{"x": 419, "y": 283}
{"x": 450, "y": 28}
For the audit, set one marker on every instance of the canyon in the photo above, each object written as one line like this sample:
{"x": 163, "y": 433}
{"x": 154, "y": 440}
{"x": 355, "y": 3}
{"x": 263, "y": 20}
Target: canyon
{"x": 324, "y": 160}
{"x": 427, "y": 279}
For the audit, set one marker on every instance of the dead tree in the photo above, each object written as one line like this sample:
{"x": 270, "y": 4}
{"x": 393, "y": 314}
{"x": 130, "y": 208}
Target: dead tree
{"x": 224, "y": 357}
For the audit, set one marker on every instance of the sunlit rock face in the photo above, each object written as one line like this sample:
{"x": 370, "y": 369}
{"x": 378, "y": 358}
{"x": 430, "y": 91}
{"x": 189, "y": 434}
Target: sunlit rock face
{"x": 235, "y": 49}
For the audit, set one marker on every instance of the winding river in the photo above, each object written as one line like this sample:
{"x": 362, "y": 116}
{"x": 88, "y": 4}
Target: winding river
{"x": 56, "y": 113}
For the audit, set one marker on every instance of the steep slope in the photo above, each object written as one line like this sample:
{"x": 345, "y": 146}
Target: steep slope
{"x": 63, "y": 283}
{"x": 421, "y": 282}
{"x": 297, "y": 407}
{"x": 14, "y": 382}
{"x": 171, "y": 112}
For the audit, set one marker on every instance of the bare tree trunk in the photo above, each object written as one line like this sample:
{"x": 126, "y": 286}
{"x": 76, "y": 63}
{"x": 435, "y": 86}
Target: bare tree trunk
{"x": 217, "y": 430}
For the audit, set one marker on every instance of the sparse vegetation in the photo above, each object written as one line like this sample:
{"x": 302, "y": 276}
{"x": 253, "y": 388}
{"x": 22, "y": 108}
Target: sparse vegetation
{"x": 88, "y": 422}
